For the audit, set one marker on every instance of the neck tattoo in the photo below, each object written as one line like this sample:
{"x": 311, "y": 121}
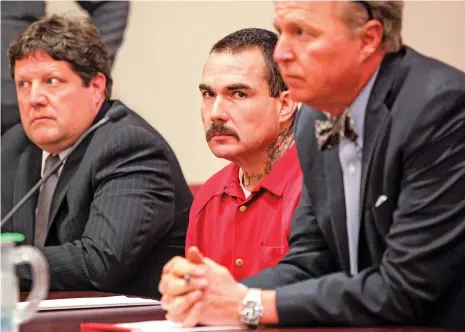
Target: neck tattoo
{"x": 275, "y": 151}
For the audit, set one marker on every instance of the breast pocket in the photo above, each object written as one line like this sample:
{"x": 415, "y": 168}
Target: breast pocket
{"x": 270, "y": 255}
{"x": 382, "y": 214}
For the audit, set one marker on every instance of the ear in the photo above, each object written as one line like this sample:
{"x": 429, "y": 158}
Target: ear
{"x": 287, "y": 107}
{"x": 97, "y": 86}
{"x": 371, "y": 37}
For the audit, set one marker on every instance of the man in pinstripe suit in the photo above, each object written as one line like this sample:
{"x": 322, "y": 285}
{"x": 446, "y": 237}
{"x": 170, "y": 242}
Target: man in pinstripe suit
{"x": 118, "y": 210}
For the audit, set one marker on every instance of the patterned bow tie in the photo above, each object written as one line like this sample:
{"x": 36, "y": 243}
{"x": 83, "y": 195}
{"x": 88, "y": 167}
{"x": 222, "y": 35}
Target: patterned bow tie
{"x": 329, "y": 132}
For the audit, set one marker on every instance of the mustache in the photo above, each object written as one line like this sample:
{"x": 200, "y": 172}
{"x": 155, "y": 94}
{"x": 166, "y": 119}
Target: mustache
{"x": 220, "y": 129}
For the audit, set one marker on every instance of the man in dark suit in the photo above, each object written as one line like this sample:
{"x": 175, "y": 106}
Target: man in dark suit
{"x": 109, "y": 16}
{"x": 117, "y": 211}
{"x": 379, "y": 236}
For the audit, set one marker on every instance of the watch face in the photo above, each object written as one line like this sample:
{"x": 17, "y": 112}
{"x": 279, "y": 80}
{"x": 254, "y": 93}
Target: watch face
{"x": 251, "y": 313}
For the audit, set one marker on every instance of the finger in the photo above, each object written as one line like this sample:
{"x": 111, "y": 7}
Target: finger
{"x": 171, "y": 262}
{"x": 173, "y": 318}
{"x": 165, "y": 300}
{"x": 182, "y": 266}
{"x": 207, "y": 261}
{"x": 194, "y": 255}
{"x": 193, "y": 316}
{"x": 174, "y": 286}
{"x": 181, "y": 304}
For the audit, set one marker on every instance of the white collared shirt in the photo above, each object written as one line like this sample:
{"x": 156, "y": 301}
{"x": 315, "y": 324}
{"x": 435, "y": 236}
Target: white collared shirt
{"x": 45, "y": 154}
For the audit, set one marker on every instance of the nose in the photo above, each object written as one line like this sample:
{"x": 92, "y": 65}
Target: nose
{"x": 37, "y": 95}
{"x": 282, "y": 51}
{"x": 219, "y": 111}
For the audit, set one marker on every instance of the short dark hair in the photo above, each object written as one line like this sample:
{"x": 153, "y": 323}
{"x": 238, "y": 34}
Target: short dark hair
{"x": 254, "y": 38}
{"x": 75, "y": 40}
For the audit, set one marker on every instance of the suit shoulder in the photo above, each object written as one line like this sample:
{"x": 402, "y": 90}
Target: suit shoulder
{"x": 431, "y": 75}
{"x": 304, "y": 133}
{"x": 14, "y": 140}
{"x": 430, "y": 99}
{"x": 304, "y": 122}
{"x": 133, "y": 130}
{"x": 211, "y": 187}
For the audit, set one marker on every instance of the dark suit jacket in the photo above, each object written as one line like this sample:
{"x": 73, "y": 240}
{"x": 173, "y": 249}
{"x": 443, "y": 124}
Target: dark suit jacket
{"x": 119, "y": 212}
{"x": 109, "y": 16}
{"x": 412, "y": 247}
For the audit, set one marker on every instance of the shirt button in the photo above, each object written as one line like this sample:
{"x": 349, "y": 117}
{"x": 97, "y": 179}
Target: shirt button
{"x": 242, "y": 208}
{"x": 352, "y": 168}
{"x": 239, "y": 262}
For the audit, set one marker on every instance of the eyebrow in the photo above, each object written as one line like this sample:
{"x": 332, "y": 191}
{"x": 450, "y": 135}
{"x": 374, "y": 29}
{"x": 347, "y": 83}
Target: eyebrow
{"x": 203, "y": 86}
{"x": 231, "y": 87}
{"x": 298, "y": 22}
{"x": 238, "y": 86}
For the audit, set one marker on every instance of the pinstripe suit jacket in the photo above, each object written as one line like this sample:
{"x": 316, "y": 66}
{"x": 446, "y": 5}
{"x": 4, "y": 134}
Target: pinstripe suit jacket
{"x": 119, "y": 212}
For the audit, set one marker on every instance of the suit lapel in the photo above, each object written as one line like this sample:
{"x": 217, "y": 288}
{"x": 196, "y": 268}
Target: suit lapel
{"x": 71, "y": 165}
{"x": 337, "y": 205}
{"x": 30, "y": 164}
{"x": 375, "y": 123}
{"x": 390, "y": 77}
{"x": 64, "y": 181}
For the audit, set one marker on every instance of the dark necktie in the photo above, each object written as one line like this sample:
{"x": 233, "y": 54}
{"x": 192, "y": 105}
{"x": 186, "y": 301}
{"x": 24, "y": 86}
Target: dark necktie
{"x": 329, "y": 132}
{"x": 45, "y": 201}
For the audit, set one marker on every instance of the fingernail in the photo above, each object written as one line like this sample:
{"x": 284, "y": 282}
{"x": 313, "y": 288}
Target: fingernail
{"x": 200, "y": 271}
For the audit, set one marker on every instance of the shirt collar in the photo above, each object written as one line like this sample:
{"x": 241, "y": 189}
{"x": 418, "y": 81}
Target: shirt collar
{"x": 244, "y": 189}
{"x": 359, "y": 106}
{"x": 45, "y": 154}
{"x": 275, "y": 181}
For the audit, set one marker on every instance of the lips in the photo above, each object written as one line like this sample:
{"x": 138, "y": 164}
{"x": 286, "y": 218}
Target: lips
{"x": 292, "y": 77}
{"x": 219, "y": 134}
{"x": 42, "y": 118}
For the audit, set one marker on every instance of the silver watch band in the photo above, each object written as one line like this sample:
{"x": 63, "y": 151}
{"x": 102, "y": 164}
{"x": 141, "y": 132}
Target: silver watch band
{"x": 252, "y": 308}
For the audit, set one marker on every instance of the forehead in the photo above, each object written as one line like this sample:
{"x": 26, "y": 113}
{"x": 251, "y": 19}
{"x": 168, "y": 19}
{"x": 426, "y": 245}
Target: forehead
{"x": 227, "y": 68}
{"x": 318, "y": 12}
{"x": 39, "y": 62}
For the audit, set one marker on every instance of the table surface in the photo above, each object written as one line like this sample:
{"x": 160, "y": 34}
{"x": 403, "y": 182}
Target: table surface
{"x": 70, "y": 320}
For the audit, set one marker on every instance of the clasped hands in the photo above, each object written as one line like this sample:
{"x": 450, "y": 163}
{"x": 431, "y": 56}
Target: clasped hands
{"x": 196, "y": 290}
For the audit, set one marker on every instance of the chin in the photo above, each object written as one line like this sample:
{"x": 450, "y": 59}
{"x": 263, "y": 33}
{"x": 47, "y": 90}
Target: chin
{"x": 224, "y": 152}
{"x": 44, "y": 139}
{"x": 300, "y": 95}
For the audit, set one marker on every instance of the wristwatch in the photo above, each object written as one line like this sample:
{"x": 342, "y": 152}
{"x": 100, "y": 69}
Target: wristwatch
{"x": 252, "y": 309}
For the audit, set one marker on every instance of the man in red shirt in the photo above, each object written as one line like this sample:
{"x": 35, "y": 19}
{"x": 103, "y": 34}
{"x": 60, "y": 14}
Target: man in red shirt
{"x": 241, "y": 216}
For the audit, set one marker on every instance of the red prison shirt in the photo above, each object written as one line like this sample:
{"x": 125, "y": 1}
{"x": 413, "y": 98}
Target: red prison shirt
{"x": 246, "y": 235}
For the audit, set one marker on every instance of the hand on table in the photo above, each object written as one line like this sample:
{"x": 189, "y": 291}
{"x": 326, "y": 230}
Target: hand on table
{"x": 209, "y": 295}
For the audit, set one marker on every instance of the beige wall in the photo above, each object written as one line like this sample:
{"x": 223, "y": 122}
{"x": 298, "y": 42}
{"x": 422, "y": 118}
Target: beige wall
{"x": 159, "y": 66}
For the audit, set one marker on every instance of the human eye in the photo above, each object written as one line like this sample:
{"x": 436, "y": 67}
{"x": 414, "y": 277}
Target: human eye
{"x": 240, "y": 94}
{"x": 22, "y": 84}
{"x": 298, "y": 30}
{"x": 52, "y": 81}
{"x": 208, "y": 94}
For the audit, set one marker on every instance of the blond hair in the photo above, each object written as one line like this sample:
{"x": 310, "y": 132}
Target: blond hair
{"x": 389, "y": 13}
